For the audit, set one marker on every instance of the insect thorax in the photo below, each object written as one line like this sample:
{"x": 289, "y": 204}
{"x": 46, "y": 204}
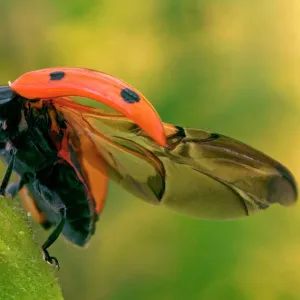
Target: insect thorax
{"x": 31, "y": 135}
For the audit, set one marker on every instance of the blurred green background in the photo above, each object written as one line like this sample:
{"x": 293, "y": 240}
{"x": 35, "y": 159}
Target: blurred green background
{"x": 228, "y": 66}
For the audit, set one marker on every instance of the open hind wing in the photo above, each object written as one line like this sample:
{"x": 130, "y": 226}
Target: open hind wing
{"x": 200, "y": 174}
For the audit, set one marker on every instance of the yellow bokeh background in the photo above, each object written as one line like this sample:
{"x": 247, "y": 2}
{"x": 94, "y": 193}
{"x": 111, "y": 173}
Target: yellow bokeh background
{"x": 228, "y": 66}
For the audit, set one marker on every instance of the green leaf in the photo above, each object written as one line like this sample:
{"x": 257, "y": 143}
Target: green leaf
{"x": 23, "y": 273}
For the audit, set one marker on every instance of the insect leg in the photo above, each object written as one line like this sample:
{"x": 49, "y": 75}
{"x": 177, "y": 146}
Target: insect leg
{"x": 8, "y": 172}
{"x": 53, "y": 237}
{"x": 14, "y": 188}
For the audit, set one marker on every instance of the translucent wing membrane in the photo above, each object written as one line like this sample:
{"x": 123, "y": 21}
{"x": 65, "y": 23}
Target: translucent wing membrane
{"x": 200, "y": 174}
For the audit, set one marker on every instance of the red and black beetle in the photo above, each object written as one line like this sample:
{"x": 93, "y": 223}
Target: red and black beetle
{"x": 64, "y": 153}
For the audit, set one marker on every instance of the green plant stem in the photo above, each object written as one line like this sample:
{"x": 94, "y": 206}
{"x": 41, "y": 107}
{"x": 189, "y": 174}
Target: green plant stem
{"x": 23, "y": 273}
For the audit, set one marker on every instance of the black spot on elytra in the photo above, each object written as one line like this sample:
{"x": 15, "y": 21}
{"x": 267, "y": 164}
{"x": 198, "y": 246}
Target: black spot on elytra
{"x": 130, "y": 96}
{"x": 58, "y": 75}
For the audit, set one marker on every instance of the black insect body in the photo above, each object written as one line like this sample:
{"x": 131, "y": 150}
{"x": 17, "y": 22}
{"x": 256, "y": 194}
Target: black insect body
{"x": 65, "y": 153}
{"x": 28, "y": 149}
